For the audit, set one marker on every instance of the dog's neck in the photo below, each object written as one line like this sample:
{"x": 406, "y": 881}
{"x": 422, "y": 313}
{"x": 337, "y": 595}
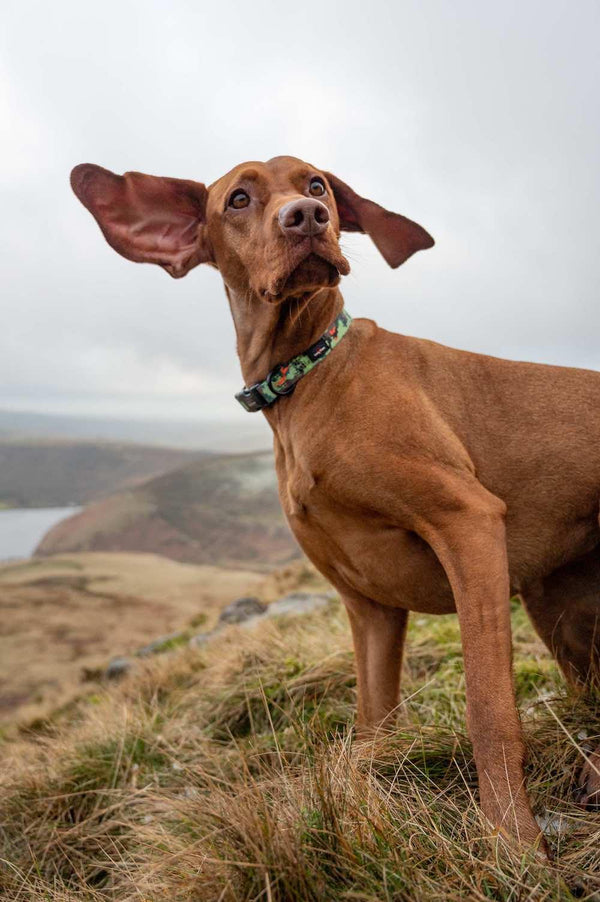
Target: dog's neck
{"x": 268, "y": 334}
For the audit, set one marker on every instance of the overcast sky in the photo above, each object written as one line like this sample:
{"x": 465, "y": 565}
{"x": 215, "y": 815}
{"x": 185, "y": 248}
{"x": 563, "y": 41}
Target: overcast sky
{"x": 477, "y": 119}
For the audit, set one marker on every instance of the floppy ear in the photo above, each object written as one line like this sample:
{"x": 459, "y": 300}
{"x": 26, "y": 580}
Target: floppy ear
{"x": 145, "y": 218}
{"x": 395, "y": 236}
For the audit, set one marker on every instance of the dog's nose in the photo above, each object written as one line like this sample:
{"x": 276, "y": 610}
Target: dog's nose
{"x": 303, "y": 217}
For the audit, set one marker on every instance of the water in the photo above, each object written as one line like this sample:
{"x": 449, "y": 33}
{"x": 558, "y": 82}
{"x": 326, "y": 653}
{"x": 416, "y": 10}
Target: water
{"x": 22, "y": 530}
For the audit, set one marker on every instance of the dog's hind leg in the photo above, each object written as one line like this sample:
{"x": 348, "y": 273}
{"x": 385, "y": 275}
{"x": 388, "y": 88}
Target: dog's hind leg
{"x": 378, "y": 633}
{"x": 565, "y": 610}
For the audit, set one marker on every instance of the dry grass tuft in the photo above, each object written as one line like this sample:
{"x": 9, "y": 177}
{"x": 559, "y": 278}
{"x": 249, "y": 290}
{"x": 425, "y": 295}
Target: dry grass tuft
{"x": 229, "y": 775}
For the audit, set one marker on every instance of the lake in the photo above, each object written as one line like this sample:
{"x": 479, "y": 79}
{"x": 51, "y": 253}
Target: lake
{"x": 21, "y": 530}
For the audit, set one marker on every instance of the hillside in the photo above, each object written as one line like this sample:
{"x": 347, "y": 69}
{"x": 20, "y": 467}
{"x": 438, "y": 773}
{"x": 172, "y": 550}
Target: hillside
{"x": 218, "y": 510}
{"x": 56, "y": 473}
{"x": 227, "y": 773}
{"x": 68, "y": 615}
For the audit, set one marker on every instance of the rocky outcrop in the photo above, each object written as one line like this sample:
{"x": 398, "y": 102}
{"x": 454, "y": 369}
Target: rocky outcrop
{"x": 246, "y": 611}
{"x": 299, "y": 603}
{"x": 296, "y": 604}
{"x": 241, "y": 610}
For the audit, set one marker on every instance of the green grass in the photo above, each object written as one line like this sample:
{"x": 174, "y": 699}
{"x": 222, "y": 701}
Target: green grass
{"x": 229, "y": 773}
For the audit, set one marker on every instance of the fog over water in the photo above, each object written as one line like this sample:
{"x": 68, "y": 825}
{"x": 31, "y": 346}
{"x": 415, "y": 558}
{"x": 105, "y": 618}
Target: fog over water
{"x": 22, "y": 530}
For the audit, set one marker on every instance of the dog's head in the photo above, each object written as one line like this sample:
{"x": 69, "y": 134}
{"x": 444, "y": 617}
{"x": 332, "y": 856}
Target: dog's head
{"x": 270, "y": 228}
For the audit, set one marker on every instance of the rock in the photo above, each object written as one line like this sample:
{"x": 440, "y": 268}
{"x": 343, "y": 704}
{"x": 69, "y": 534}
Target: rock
{"x": 553, "y": 824}
{"x": 117, "y": 668}
{"x": 247, "y": 611}
{"x": 299, "y": 603}
{"x": 241, "y": 610}
{"x": 163, "y": 643}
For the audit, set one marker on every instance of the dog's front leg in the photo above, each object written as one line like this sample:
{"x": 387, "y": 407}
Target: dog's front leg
{"x": 378, "y": 633}
{"x": 466, "y": 530}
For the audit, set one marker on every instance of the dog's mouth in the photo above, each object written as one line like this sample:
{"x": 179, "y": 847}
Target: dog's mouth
{"x": 316, "y": 270}
{"x": 313, "y": 272}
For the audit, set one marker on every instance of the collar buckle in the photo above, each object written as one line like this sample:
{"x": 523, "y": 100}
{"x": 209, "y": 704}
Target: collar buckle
{"x": 251, "y": 399}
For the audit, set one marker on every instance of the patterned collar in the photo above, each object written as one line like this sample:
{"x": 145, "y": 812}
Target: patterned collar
{"x": 283, "y": 378}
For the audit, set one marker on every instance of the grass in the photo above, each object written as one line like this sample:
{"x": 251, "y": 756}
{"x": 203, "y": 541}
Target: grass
{"x": 228, "y": 774}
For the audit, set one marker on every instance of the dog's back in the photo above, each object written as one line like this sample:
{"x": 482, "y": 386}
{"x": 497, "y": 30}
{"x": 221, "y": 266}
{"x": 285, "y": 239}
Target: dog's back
{"x": 532, "y": 432}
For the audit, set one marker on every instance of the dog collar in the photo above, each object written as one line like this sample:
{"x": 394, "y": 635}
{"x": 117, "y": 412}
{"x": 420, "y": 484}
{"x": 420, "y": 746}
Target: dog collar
{"x": 283, "y": 378}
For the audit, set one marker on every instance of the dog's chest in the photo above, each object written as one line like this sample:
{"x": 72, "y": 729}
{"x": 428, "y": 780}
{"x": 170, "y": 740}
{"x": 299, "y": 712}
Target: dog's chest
{"x": 359, "y": 551}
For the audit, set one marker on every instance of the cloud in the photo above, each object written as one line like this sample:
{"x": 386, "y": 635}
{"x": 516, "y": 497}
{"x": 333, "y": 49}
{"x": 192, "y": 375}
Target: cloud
{"x": 478, "y": 121}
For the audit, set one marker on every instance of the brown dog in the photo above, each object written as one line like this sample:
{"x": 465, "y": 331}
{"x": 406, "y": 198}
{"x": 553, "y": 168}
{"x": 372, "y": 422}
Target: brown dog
{"x": 416, "y": 477}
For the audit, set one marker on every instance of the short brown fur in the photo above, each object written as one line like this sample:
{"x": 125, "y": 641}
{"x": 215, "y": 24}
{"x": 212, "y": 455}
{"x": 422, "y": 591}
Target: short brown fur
{"x": 416, "y": 477}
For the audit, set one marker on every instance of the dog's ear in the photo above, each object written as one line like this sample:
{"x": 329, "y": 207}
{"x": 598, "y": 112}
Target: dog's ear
{"x": 395, "y": 236}
{"x": 145, "y": 218}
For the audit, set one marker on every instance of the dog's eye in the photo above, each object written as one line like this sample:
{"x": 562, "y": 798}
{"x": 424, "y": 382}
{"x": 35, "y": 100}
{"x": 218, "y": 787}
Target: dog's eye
{"x": 239, "y": 200}
{"x": 316, "y": 188}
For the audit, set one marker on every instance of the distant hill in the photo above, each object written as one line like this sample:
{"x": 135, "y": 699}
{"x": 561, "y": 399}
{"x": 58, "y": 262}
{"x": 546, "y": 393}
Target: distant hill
{"x": 250, "y": 433}
{"x": 221, "y": 510}
{"x": 55, "y": 473}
